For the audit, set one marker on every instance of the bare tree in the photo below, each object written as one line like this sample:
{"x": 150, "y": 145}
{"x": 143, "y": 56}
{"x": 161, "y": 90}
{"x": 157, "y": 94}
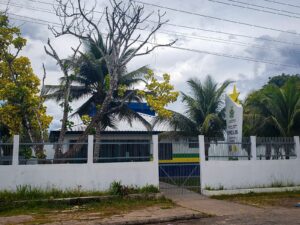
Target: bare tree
{"x": 66, "y": 66}
{"x": 128, "y": 36}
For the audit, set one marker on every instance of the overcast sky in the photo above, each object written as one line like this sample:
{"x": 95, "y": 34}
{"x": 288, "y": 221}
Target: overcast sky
{"x": 183, "y": 65}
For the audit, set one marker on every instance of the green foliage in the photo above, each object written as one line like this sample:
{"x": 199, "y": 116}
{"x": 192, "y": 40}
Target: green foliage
{"x": 149, "y": 189}
{"x": 159, "y": 94}
{"x": 28, "y": 192}
{"x": 280, "y": 80}
{"x": 26, "y": 152}
{"x": 204, "y": 109}
{"x": 117, "y": 189}
{"x": 93, "y": 82}
{"x": 22, "y": 111}
{"x": 273, "y": 110}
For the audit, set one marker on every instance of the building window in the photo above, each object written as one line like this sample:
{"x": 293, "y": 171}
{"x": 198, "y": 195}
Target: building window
{"x": 165, "y": 151}
{"x": 124, "y": 151}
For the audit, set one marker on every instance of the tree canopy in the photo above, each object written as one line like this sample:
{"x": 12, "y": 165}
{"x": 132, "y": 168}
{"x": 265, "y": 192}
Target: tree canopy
{"x": 204, "y": 109}
{"x": 274, "y": 110}
{"x": 23, "y": 111}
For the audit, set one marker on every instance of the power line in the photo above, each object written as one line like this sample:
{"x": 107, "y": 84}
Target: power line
{"x": 236, "y": 57}
{"x": 162, "y": 31}
{"x": 264, "y": 7}
{"x": 282, "y": 3}
{"x": 254, "y": 9}
{"x": 192, "y": 28}
{"x": 271, "y": 62}
{"x": 218, "y": 18}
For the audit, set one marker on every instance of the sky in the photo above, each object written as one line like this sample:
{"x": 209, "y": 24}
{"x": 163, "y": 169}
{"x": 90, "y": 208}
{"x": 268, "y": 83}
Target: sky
{"x": 266, "y": 20}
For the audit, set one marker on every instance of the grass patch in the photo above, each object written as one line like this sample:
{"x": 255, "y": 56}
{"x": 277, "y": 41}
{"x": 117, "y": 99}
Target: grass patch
{"x": 49, "y": 212}
{"x": 12, "y": 202}
{"x": 32, "y": 193}
{"x": 264, "y": 199}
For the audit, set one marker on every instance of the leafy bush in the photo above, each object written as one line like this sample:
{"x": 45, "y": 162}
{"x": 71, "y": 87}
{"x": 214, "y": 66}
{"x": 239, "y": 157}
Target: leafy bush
{"x": 149, "y": 189}
{"x": 116, "y": 188}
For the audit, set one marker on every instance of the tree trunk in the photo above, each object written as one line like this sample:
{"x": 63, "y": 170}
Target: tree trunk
{"x": 97, "y": 142}
{"x": 97, "y": 118}
{"x": 62, "y": 133}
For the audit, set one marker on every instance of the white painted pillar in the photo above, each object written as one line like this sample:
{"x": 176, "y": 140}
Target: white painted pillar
{"x": 202, "y": 160}
{"x": 90, "y": 159}
{"x": 155, "y": 157}
{"x": 253, "y": 147}
{"x": 201, "y": 148}
{"x": 297, "y": 146}
{"x": 16, "y": 145}
{"x": 155, "y": 148}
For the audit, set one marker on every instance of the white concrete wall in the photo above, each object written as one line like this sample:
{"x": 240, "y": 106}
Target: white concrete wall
{"x": 70, "y": 176}
{"x": 89, "y": 176}
{"x": 249, "y": 173}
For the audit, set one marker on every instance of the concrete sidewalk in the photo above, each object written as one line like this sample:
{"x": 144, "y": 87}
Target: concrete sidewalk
{"x": 194, "y": 201}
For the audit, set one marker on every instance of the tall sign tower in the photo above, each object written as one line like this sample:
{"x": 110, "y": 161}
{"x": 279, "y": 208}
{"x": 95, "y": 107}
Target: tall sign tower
{"x": 234, "y": 120}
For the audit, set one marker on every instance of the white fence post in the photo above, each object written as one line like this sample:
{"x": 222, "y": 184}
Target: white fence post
{"x": 155, "y": 148}
{"x": 15, "y": 156}
{"x": 297, "y": 146}
{"x": 202, "y": 160}
{"x": 90, "y": 159}
{"x": 155, "y": 157}
{"x": 253, "y": 147}
{"x": 201, "y": 148}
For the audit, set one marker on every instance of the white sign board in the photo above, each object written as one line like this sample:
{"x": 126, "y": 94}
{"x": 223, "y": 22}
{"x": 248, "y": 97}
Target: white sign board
{"x": 234, "y": 122}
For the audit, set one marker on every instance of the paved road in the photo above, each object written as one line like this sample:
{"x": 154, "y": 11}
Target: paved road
{"x": 269, "y": 217}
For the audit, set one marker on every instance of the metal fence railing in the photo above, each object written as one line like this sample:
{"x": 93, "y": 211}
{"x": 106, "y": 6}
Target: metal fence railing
{"x": 108, "y": 151}
{"x": 6, "y": 153}
{"x": 52, "y": 153}
{"x": 275, "y": 148}
{"x": 219, "y": 149}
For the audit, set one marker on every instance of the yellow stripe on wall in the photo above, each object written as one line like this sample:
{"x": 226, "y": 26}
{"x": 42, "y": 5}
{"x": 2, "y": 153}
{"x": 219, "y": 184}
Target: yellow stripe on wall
{"x": 181, "y": 160}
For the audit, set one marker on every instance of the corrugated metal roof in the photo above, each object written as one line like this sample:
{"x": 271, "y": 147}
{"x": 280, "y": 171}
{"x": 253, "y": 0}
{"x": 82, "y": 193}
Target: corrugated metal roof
{"x": 124, "y": 125}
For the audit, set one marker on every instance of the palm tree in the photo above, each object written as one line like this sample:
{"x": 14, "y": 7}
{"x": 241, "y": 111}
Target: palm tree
{"x": 91, "y": 82}
{"x": 205, "y": 112}
{"x": 277, "y": 110}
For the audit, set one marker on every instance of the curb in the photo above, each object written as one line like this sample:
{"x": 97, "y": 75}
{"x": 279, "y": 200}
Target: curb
{"x": 158, "y": 220}
{"x": 81, "y": 200}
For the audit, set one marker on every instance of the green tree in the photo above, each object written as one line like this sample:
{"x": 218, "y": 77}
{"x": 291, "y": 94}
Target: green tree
{"x": 204, "y": 109}
{"x": 125, "y": 39}
{"x": 23, "y": 111}
{"x": 91, "y": 81}
{"x": 280, "y": 80}
{"x": 273, "y": 110}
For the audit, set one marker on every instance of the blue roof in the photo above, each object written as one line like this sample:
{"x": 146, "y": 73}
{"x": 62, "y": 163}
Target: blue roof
{"x": 140, "y": 107}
